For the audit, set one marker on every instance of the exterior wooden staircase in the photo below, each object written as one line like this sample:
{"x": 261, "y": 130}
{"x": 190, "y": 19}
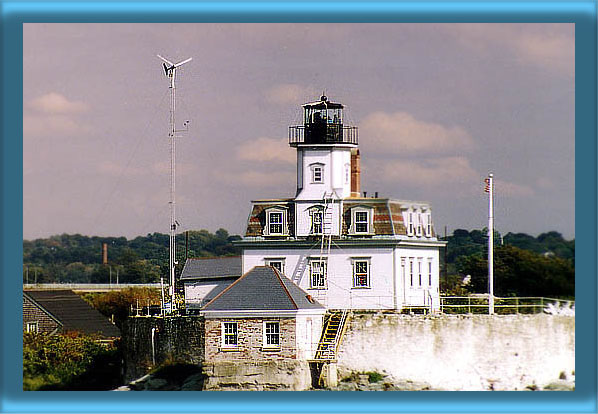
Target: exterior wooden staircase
{"x": 335, "y": 325}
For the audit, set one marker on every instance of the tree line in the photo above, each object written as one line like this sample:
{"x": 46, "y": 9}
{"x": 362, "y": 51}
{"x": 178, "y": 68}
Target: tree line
{"x": 78, "y": 259}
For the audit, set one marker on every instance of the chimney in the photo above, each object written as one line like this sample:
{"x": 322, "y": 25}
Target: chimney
{"x": 104, "y": 253}
{"x": 376, "y": 194}
{"x": 355, "y": 173}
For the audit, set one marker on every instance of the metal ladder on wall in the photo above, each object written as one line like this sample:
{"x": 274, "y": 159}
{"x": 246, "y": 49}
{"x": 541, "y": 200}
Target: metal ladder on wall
{"x": 327, "y": 217}
{"x": 332, "y": 334}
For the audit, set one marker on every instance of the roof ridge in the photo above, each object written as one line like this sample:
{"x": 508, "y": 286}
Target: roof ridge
{"x": 213, "y": 257}
{"x": 285, "y": 288}
{"x": 43, "y": 309}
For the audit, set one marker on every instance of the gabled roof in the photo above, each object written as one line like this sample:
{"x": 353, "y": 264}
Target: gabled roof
{"x": 262, "y": 288}
{"x": 73, "y": 312}
{"x": 212, "y": 268}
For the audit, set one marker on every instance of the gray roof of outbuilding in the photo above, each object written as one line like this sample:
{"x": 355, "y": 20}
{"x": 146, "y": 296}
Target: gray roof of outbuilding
{"x": 73, "y": 312}
{"x": 212, "y": 268}
{"x": 262, "y": 288}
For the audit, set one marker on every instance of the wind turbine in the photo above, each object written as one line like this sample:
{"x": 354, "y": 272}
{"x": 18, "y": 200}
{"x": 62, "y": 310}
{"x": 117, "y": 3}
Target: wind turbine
{"x": 170, "y": 71}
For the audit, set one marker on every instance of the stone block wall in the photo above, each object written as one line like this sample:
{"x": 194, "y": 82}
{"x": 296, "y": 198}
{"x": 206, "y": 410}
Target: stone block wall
{"x": 176, "y": 339}
{"x": 250, "y": 338}
{"x": 32, "y": 313}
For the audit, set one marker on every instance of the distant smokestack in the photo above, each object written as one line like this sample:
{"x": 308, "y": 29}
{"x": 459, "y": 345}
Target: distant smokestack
{"x": 365, "y": 194}
{"x": 104, "y": 253}
{"x": 376, "y": 194}
{"x": 355, "y": 173}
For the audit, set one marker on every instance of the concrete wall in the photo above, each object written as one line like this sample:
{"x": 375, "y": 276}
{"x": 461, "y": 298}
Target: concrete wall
{"x": 462, "y": 352}
{"x": 175, "y": 339}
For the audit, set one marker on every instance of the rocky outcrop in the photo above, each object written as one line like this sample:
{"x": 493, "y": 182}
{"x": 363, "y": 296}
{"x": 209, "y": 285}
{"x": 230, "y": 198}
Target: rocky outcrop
{"x": 258, "y": 376}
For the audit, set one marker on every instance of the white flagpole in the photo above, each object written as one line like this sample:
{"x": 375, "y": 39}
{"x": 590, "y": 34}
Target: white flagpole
{"x": 491, "y": 244}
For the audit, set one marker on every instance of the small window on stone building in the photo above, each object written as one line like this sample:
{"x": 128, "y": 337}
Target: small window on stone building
{"x": 32, "y": 327}
{"x": 271, "y": 334}
{"x": 230, "y": 335}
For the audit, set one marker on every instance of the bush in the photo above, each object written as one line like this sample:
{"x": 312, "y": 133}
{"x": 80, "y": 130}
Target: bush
{"x": 69, "y": 362}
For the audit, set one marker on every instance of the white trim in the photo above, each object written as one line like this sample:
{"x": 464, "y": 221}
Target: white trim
{"x": 238, "y": 314}
{"x": 312, "y": 168}
{"x": 354, "y": 261}
{"x": 284, "y": 221}
{"x": 265, "y": 345}
{"x": 223, "y": 335}
{"x": 370, "y": 220}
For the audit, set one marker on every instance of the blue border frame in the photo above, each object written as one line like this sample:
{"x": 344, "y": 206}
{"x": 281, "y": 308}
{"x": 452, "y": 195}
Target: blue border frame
{"x": 581, "y": 12}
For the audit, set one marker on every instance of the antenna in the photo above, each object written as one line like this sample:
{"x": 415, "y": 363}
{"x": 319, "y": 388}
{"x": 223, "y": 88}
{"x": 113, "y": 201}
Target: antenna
{"x": 170, "y": 71}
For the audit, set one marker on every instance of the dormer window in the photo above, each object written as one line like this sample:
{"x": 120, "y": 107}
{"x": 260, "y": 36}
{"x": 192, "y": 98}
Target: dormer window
{"x": 316, "y": 221}
{"x": 428, "y": 225}
{"x": 276, "y": 222}
{"x": 419, "y": 224}
{"x": 361, "y": 221}
{"x": 317, "y": 173}
{"x": 410, "y": 224}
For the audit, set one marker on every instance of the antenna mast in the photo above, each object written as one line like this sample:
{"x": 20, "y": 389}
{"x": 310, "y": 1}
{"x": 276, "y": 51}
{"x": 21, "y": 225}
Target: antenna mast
{"x": 170, "y": 71}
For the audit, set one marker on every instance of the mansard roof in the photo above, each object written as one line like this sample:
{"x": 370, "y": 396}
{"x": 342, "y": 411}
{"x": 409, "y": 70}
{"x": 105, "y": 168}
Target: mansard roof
{"x": 262, "y": 288}
{"x": 387, "y": 214}
{"x": 212, "y": 268}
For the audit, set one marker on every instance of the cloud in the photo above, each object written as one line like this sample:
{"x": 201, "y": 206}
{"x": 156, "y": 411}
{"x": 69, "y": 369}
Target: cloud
{"x": 117, "y": 170}
{"x": 545, "y": 45}
{"x": 508, "y": 189}
{"x": 252, "y": 178}
{"x": 267, "y": 150}
{"x": 401, "y": 133}
{"x": 41, "y": 124}
{"x": 182, "y": 169}
{"x": 55, "y": 103}
{"x": 432, "y": 173}
{"x": 290, "y": 94}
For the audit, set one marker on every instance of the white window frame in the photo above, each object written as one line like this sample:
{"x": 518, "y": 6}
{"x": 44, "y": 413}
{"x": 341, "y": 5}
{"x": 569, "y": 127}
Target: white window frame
{"x": 317, "y": 166}
{"x": 316, "y": 211}
{"x": 283, "y": 224}
{"x": 32, "y": 327}
{"x": 370, "y": 217}
{"x": 354, "y": 264}
{"x": 430, "y": 272}
{"x": 428, "y": 225}
{"x": 266, "y": 335}
{"x": 418, "y": 227}
{"x": 411, "y": 271}
{"x": 270, "y": 260}
{"x": 224, "y": 335}
{"x": 410, "y": 228}
{"x": 347, "y": 173}
{"x": 323, "y": 275}
{"x": 419, "y": 272}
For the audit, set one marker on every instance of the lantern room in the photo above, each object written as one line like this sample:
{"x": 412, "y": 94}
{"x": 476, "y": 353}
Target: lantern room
{"x": 322, "y": 125}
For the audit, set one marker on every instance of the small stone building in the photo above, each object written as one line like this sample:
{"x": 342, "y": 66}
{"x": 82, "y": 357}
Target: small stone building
{"x": 55, "y": 311}
{"x": 262, "y": 316}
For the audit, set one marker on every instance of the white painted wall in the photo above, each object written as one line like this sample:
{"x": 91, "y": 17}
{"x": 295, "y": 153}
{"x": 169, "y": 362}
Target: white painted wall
{"x": 198, "y": 293}
{"x": 462, "y": 352}
{"x": 308, "y": 332}
{"x": 303, "y": 218}
{"x": 334, "y": 161}
{"x": 415, "y": 294}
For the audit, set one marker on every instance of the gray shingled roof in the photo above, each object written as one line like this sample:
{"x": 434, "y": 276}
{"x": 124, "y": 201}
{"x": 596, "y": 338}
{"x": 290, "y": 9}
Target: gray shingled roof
{"x": 73, "y": 312}
{"x": 262, "y": 288}
{"x": 212, "y": 268}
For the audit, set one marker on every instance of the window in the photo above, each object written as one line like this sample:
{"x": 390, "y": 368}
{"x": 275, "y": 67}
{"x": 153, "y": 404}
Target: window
{"x": 276, "y": 222}
{"x": 430, "y": 273}
{"x": 419, "y": 224}
{"x": 317, "y": 173}
{"x": 410, "y": 225}
{"x": 361, "y": 222}
{"x": 276, "y": 263}
{"x": 230, "y": 335}
{"x": 347, "y": 173}
{"x": 361, "y": 273}
{"x": 428, "y": 225}
{"x": 316, "y": 221}
{"x": 419, "y": 271}
{"x": 411, "y": 271}
{"x": 317, "y": 272}
{"x": 271, "y": 334}
{"x": 32, "y": 327}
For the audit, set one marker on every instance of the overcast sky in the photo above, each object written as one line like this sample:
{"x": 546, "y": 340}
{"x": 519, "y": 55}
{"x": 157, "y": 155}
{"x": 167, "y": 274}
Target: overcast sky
{"x": 438, "y": 106}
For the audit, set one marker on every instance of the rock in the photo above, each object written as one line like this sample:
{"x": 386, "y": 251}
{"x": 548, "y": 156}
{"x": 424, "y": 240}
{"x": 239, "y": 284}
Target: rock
{"x": 560, "y": 385}
{"x": 193, "y": 383}
{"x": 155, "y": 384}
{"x": 123, "y": 388}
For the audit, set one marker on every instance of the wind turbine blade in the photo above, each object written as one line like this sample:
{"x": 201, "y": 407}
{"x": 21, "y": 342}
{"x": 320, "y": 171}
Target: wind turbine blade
{"x": 183, "y": 62}
{"x": 166, "y": 60}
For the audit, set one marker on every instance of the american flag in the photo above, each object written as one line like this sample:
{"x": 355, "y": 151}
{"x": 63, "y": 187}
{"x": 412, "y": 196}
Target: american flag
{"x": 487, "y": 187}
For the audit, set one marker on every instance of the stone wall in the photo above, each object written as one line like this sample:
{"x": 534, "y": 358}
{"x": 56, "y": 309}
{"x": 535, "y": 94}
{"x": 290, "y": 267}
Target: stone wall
{"x": 473, "y": 352}
{"x": 250, "y": 338}
{"x": 32, "y": 313}
{"x": 175, "y": 339}
{"x": 288, "y": 375}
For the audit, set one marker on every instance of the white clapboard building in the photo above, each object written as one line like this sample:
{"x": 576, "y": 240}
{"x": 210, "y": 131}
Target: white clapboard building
{"x": 348, "y": 251}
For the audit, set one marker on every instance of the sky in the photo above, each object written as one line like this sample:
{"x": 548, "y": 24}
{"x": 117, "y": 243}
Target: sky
{"x": 438, "y": 107}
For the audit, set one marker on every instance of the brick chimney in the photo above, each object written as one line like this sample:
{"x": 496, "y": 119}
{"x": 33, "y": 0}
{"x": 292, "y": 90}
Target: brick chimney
{"x": 104, "y": 253}
{"x": 355, "y": 173}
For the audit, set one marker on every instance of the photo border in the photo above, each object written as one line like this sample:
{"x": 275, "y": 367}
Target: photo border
{"x": 581, "y": 13}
